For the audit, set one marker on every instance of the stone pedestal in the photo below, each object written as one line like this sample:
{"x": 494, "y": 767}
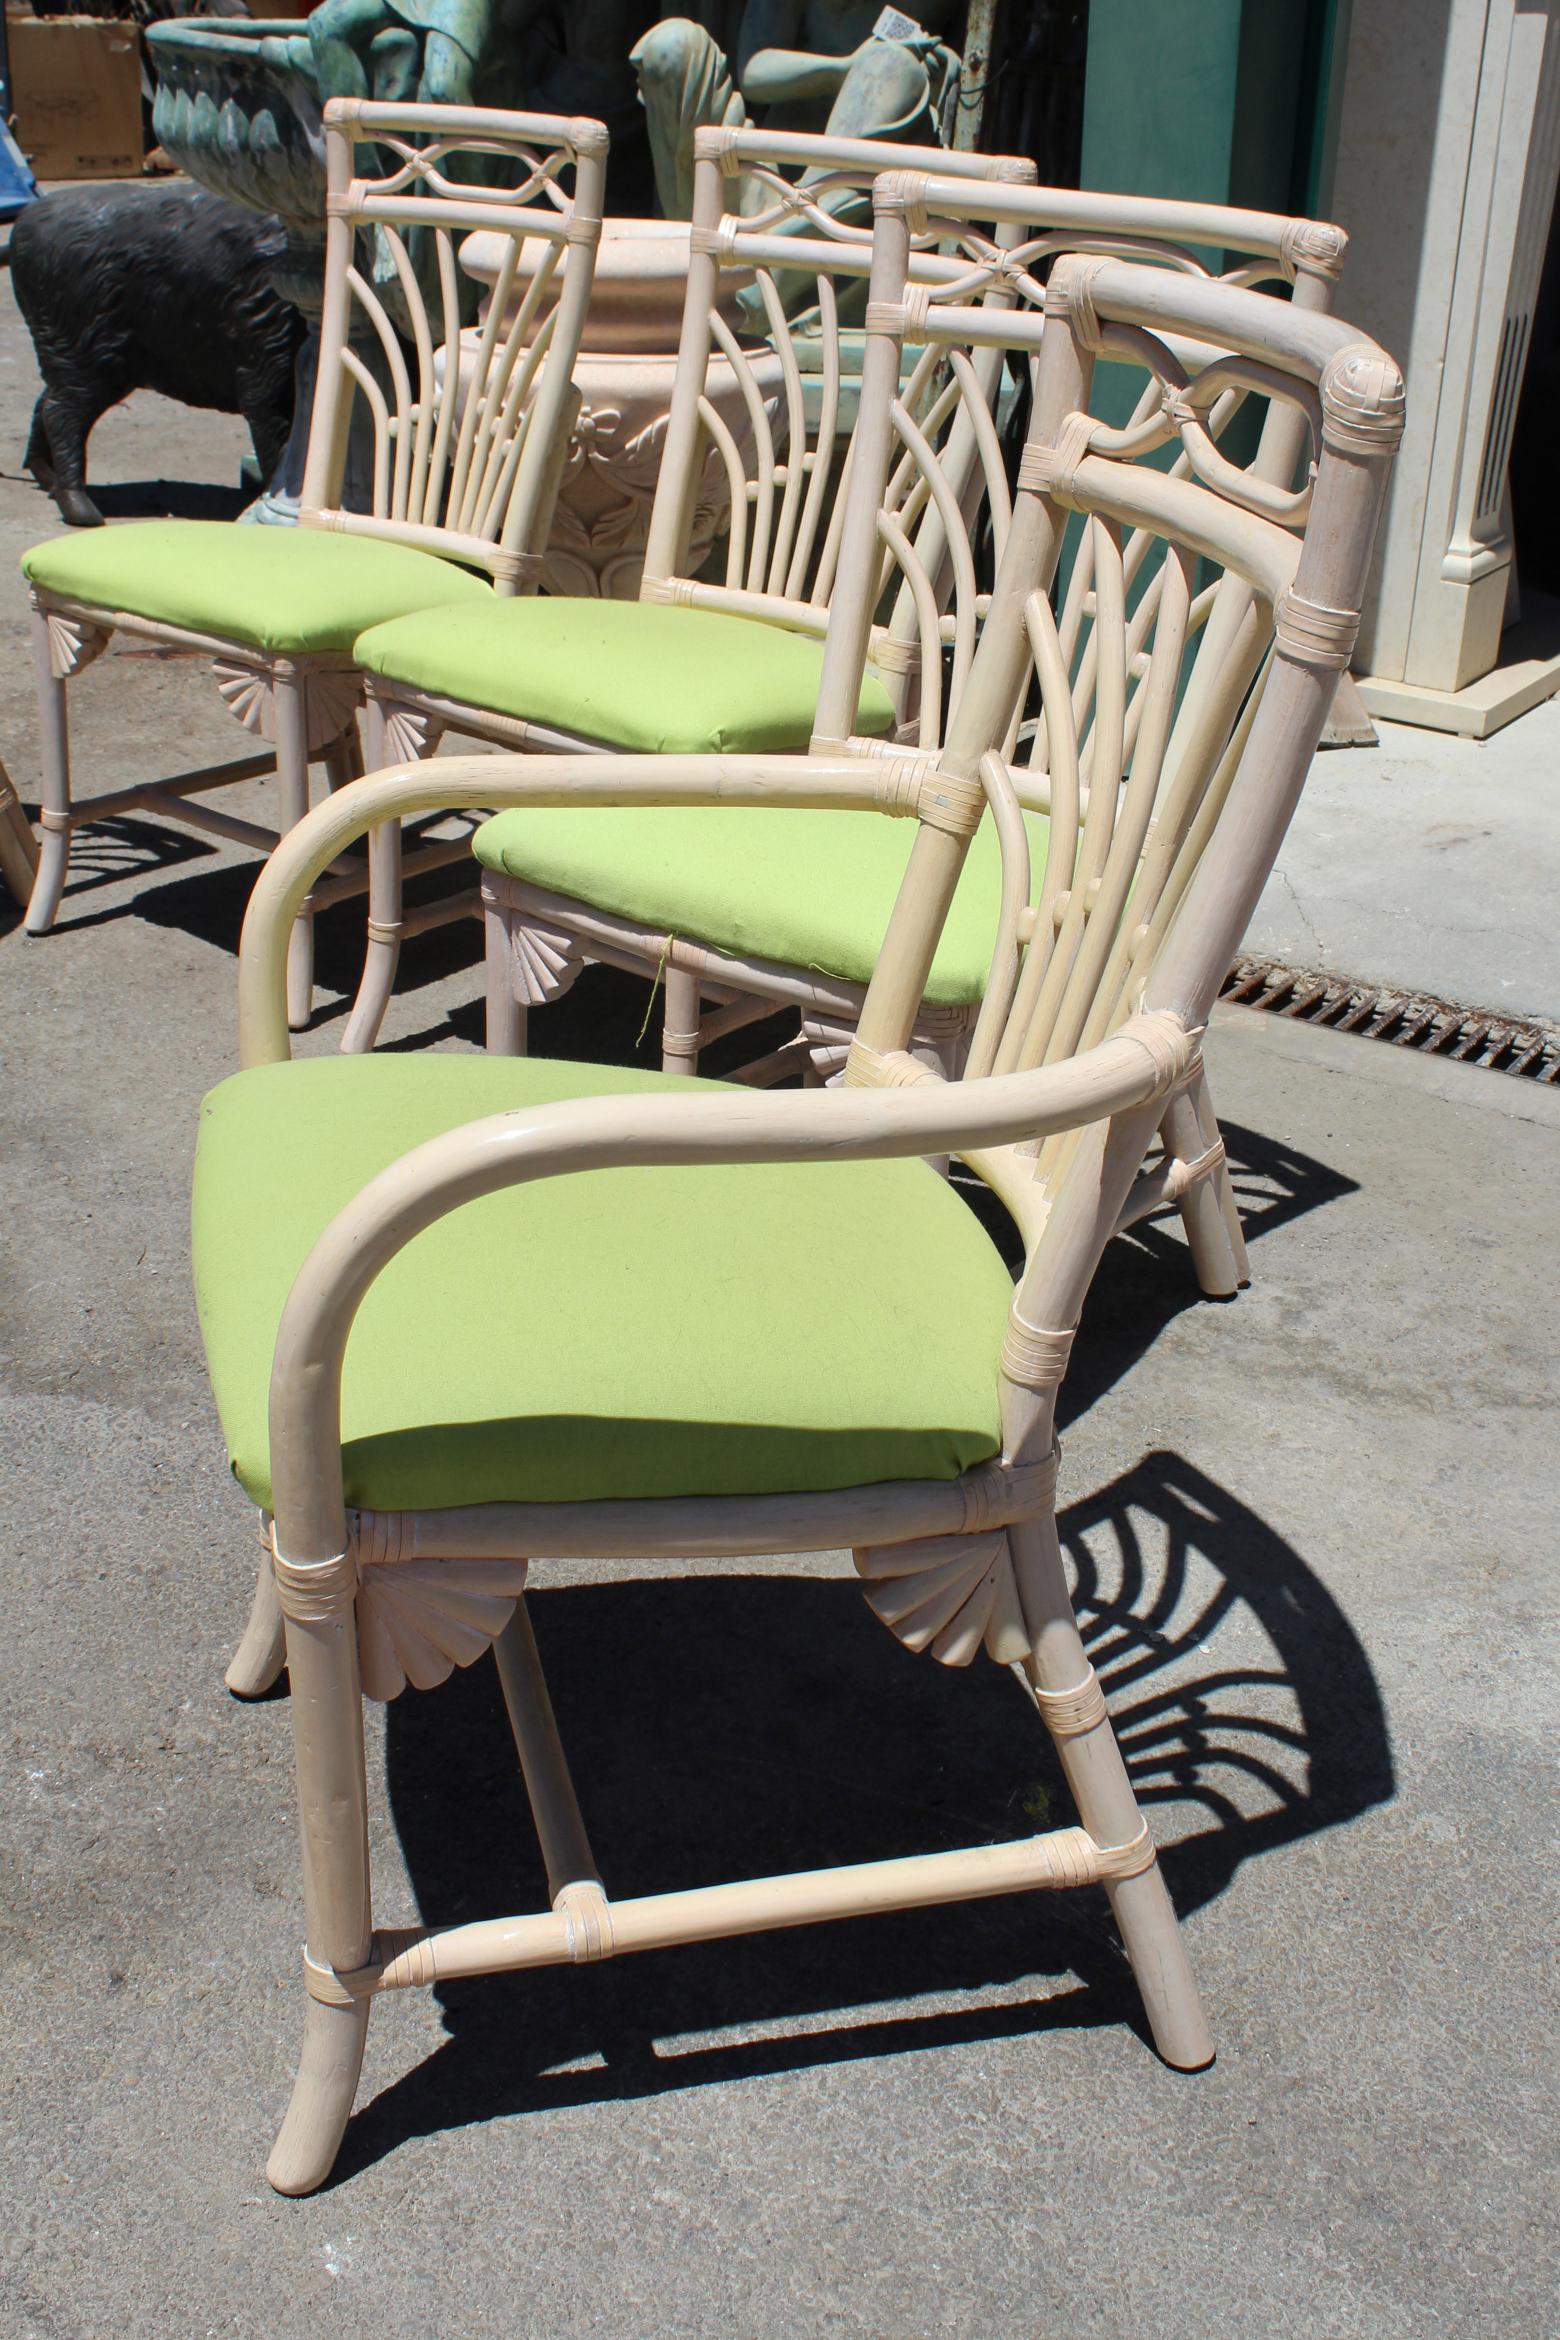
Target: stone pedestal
{"x": 624, "y": 373}
{"x": 1447, "y": 155}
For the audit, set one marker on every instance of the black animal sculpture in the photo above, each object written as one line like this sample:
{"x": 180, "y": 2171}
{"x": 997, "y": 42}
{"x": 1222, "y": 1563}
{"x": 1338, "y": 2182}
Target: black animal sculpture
{"x": 149, "y": 288}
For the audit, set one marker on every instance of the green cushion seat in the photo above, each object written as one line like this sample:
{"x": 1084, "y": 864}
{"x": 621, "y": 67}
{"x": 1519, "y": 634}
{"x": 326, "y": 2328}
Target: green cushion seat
{"x": 809, "y": 889}
{"x": 736, "y": 1329}
{"x": 638, "y": 676}
{"x": 290, "y": 591}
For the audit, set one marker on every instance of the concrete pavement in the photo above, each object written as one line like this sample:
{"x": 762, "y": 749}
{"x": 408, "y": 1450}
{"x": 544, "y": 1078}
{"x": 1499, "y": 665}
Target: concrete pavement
{"x": 1314, "y": 1535}
{"x": 1429, "y": 864}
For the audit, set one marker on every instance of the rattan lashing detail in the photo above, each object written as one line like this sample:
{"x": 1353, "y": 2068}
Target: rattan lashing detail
{"x": 1363, "y": 401}
{"x": 1052, "y": 471}
{"x": 1312, "y": 634}
{"x": 1067, "y": 1714}
{"x": 312, "y": 1591}
{"x": 1034, "y": 1356}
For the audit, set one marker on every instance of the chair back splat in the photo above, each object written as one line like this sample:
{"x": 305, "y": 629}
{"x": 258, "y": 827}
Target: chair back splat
{"x": 957, "y": 254}
{"x": 1163, "y": 826}
{"x": 798, "y": 262}
{"x": 468, "y": 450}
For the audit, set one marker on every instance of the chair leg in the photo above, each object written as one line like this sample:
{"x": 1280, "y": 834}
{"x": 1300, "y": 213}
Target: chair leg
{"x": 680, "y": 1022}
{"x": 506, "y": 1013}
{"x": 1222, "y": 1183}
{"x": 292, "y": 775}
{"x": 54, "y": 742}
{"x": 1208, "y": 1212}
{"x": 321, "y": 2104}
{"x": 344, "y": 757}
{"x": 382, "y": 953}
{"x": 260, "y": 1656}
{"x": 1057, "y": 1670}
{"x": 327, "y": 1719}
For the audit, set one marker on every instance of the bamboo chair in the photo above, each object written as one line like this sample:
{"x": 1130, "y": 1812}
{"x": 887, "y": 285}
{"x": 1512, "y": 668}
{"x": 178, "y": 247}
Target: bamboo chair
{"x": 459, "y": 509}
{"x": 704, "y": 906}
{"x": 694, "y": 665}
{"x": 881, "y": 1384}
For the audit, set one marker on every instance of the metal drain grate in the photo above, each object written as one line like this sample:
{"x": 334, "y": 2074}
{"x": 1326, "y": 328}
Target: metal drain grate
{"x": 1407, "y": 1019}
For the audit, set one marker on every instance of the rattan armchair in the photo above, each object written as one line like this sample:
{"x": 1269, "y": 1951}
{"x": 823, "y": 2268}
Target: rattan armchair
{"x": 734, "y": 922}
{"x": 463, "y": 482}
{"x": 773, "y": 308}
{"x": 460, "y": 1310}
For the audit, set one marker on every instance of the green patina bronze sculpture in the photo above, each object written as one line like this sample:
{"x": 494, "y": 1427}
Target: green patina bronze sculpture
{"x": 466, "y": 52}
{"x": 850, "y": 68}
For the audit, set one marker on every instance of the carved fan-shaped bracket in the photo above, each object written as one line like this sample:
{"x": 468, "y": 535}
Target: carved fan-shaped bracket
{"x": 73, "y": 643}
{"x": 417, "y": 1620}
{"x": 950, "y": 1594}
{"x": 331, "y": 697}
{"x": 544, "y": 961}
{"x": 410, "y": 733}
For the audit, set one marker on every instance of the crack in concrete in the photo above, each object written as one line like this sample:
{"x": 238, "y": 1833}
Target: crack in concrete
{"x": 1288, "y": 884}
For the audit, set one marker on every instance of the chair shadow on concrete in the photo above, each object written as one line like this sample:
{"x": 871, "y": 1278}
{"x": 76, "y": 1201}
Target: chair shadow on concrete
{"x": 726, "y": 1722}
{"x": 208, "y": 902}
{"x": 112, "y": 853}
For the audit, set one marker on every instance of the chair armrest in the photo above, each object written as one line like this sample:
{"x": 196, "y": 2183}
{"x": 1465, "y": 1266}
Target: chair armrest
{"x": 1150, "y": 1057}
{"x": 835, "y": 783}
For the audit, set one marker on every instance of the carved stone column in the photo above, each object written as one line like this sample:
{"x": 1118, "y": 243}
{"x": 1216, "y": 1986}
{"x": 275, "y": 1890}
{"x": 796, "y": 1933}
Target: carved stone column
{"x": 1448, "y": 148}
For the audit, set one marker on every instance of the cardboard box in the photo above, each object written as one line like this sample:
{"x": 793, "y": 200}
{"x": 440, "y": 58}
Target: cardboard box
{"x": 76, "y": 87}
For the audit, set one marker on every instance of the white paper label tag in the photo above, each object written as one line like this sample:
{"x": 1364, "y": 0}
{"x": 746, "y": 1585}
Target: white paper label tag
{"x": 894, "y": 25}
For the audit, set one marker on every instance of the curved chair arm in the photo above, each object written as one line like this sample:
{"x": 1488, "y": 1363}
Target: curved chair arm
{"x": 1148, "y": 1059}
{"x": 903, "y": 784}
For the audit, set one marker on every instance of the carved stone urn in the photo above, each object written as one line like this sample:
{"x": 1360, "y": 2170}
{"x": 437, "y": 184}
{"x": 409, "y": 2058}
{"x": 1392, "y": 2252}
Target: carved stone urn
{"x": 238, "y": 116}
{"x": 624, "y": 373}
